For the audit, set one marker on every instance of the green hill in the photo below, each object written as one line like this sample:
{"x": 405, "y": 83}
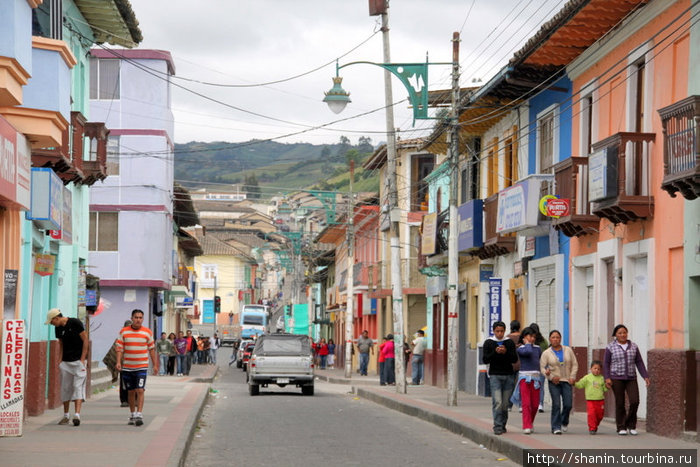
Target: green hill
{"x": 278, "y": 167}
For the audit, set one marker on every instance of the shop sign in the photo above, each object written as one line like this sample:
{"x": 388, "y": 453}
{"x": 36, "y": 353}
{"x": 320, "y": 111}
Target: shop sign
{"x": 495, "y": 286}
{"x": 47, "y": 199}
{"x": 66, "y": 232}
{"x": 529, "y": 247}
{"x": 44, "y": 264}
{"x": 485, "y": 272}
{"x": 518, "y": 206}
{"x": 602, "y": 174}
{"x": 12, "y": 377}
{"x": 15, "y": 166}
{"x": 429, "y": 234}
{"x": 553, "y": 206}
{"x": 471, "y": 220}
{"x": 10, "y": 293}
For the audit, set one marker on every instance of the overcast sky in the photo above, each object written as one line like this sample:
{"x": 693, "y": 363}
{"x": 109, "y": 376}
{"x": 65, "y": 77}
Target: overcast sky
{"x": 243, "y": 42}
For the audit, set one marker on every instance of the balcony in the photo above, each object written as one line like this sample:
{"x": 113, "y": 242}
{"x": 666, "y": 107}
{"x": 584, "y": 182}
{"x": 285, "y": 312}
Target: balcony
{"x": 571, "y": 180}
{"x": 95, "y": 167}
{"x": 681, "y": 127}
{"x": 619, "y": 174}
{"x": 45, "y": 110}
{"x": 15, "y": 50}
{"x": 67, "y": 159}
{"x": 494, "y": 244}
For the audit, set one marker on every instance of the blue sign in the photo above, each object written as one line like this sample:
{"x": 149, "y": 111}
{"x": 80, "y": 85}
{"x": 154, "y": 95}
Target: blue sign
{"x": 90, "y": 297}
{"x": 494, "y": 302}
{"x": 372, "y": 306}
{"x": 471, "y": 221}
{"x": 208, "y": 315}
{"x": 47, "y": 199}
{"x": 485, "y": 272}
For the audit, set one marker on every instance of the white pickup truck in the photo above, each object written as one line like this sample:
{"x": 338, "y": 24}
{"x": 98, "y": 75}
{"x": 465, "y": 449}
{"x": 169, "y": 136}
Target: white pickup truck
{"x": 281, "y": 359}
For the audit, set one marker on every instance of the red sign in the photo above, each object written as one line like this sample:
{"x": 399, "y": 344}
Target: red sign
{"x": 15, "y": 165}
{"x": 558, "y": 207}
{"x": 44, "y": 264}
{"x": 14, "y": 352}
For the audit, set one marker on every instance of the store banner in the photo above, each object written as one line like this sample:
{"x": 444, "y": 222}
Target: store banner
{"x": 495, "y": 286}
{"x": 47, "y": 199}
{"x": 66, "y": 232}
{"x": 12, "y": 377}
{"x": 429, "y": 238}
{"x": 10, "y": 293}
{"x": 15, "y": 166}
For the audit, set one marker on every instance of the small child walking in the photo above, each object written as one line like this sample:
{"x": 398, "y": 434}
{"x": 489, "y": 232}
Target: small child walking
{"x": 595, "y": 388}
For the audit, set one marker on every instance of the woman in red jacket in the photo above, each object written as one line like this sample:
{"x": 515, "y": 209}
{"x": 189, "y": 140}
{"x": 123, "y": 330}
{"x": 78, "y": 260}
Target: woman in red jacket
{"x": 322, "y": 350}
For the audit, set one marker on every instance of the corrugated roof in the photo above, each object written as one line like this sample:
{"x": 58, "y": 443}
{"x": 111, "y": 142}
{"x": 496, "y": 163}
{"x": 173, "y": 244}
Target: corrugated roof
{"x": 111, "y": 21}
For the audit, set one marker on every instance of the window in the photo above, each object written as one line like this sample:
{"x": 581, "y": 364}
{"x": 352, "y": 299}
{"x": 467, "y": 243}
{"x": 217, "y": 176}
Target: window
{"x": 547, "y": 144}
{"x": 587, "y": 124}
{"x": 104, "y": 231}
{"x": 209, "y": 275}
{"x": 112, "y": 155}
{"x": 492, "y": 175}
{"x": 510, "y": 169}
{"x": 104, "y": 78}
{"x": 421, "y": 166}
{"x": 47, "y": 20}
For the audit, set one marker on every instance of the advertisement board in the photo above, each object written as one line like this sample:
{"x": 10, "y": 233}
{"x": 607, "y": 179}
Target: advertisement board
{"x": 429, "y": 234}
{"x": 518, "y": 205}
{"x": 471, "y": 221}
{"x": 47, "y": 199}
{"x": 15, "y": 165}
{"x": 495, "y": 286}
{"x": 602, "y": 174}
{"x": 12, "y": 377}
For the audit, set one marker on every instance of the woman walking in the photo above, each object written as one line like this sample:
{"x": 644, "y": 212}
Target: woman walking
{"x": 529, "y": 378}
{"x": 541, "y": 342}
{"x": 172, "y": 356}
{"x": 558, "y": 364}
{"x": 621, "y": 358}
{"x": 323, "y": 353}
{"x": 331, "y": 354}
{"x": 389, "y": 360}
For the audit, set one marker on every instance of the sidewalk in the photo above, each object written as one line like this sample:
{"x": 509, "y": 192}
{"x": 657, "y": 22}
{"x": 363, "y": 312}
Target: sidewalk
{"x": 173, "y": 405}
{"x": 472, "y": 419}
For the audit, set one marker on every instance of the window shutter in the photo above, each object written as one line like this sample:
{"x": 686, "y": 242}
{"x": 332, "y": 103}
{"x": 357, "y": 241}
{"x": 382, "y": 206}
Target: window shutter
{"x": 545, "y": 297}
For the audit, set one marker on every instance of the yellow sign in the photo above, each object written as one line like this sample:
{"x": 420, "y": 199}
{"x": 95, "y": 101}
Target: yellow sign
{"x": 429, "y": 234}
{"x": 44, "y": 264}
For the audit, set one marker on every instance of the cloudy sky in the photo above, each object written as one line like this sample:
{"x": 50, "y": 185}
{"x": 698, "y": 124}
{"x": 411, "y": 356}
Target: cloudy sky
{"x": 254, "y": 42}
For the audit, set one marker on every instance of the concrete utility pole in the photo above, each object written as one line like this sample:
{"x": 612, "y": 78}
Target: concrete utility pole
{"x": 394, "y": 213}
{"x": 350, "y": 305}
{"x": 452, "y": 252}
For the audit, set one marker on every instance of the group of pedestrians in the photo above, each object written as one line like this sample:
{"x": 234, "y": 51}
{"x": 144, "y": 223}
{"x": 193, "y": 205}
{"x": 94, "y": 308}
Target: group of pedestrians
{"x": 519, "y": 366}
{"x": 386, "y": 357}
{"x": 185, "y": 350}
{"x": 324, "y": 353}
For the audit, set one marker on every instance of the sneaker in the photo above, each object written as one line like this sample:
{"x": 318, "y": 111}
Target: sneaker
{"x": 138, "y": 421}
{"x": 76, "y": 421}
{"x": 634, "y": 432}
{"x": 556, "y": 432}
{"x": 592, "y": 432}
{"x": 565, "y": 428}
{"x": 520, "y": 409}
{"x": 527, "y": 431}
{"x": 540, "y": 409}
{"x": 132, "y": 421}
{"x": 124, "y": 404}
{"x": 64, "y": 421}
{"x": 622, "y": 432}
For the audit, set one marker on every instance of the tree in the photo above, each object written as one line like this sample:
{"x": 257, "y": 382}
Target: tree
{"x": 353, "y": 155}
{"x": 365, "y": 144}
{"x": 251, "y": 186}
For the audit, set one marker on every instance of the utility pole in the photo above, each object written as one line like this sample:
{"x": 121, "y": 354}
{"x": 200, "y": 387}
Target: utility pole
{"x": 396, "y": 284}
{"x": 452, "y": 253}
{"x": 350, "y": 305}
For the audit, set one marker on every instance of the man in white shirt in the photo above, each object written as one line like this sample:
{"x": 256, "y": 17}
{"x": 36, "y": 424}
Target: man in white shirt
{"x": 215, "y": 343}
{"x": 417, "y": 361}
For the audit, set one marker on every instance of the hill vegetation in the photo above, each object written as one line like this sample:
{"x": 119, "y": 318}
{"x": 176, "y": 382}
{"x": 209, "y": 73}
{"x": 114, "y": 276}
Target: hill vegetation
{"x": 266, "y": 167}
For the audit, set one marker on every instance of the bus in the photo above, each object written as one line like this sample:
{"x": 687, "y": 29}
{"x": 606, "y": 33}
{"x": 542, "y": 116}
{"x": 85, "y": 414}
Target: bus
{"x": 253, "y": 320}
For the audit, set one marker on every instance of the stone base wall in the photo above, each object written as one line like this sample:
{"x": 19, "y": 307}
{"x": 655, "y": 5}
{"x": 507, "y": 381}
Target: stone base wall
{"x": 35, "y": 388}
{"x": 54, "y": 380}
{"x": 581, "y": 354}
{"x": 666, "y": 396}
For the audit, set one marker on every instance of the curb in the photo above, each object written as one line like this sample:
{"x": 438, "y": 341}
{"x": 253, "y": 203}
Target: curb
{"x": 334, "y": 380}
{"x": 185, "y": 441}
{"x": 490, "y": 441}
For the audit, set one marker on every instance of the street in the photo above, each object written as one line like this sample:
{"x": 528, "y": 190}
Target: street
{"x": 334, "y": 427}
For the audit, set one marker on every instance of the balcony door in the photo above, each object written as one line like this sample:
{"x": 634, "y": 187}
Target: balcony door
{"x": 545, "y": 297}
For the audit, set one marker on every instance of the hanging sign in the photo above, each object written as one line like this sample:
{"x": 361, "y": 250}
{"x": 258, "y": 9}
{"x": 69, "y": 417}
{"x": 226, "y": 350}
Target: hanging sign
{"x": 494, "y": 302}
{"x": 553, "y": 206}
{"x": 14, "y": 351}
{"x": 44, "y": 264}
{"x": 10, "y": 293}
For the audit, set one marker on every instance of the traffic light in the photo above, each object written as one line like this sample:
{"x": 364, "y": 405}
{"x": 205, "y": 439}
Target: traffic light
{"x": 217, "y": 304}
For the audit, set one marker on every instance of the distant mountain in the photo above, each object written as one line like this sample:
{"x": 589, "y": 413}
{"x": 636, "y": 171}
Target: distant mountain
{"x": 278, "y": 166}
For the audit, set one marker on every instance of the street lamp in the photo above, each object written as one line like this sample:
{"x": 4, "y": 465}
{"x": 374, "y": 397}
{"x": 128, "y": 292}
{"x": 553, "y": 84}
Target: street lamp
{"x": 414, "y": 77}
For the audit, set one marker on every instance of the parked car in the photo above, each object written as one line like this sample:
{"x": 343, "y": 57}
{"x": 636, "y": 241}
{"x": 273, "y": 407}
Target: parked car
{"x": 281, "y": 359}
{"x": 245, "y": 356}
{"x": 241, "y": 348}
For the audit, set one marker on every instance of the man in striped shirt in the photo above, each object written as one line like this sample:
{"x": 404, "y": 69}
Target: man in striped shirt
{"x": 135, "y": 343}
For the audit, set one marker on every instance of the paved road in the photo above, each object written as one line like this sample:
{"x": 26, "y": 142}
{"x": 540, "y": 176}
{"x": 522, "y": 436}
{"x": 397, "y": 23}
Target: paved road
{"x": 333, "y": 427}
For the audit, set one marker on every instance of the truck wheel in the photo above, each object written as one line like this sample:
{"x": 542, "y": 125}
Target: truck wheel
{"x": 239, "y": 364}
{"x": 254, "y": 389}
{"x": 308, "y": 390}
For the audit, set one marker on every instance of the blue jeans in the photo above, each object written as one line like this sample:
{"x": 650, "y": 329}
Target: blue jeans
{"x": 364, "y": 360}
{"x": 323, "y": 361}
{"x": 389, "y": 375}
{"x": 163, "y": 364}
{"x": 562, "y": 400}
{"x": 501, "y": 389}
{"x": 381, "y": 374}
{"x": 212, "y": 356}
{"x": 181, "y": 363}
{"x": 417, "y": 369}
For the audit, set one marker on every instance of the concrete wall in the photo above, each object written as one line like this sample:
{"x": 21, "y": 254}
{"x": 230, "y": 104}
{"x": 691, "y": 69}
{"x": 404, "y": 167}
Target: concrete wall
{"x": 16, "y": 32}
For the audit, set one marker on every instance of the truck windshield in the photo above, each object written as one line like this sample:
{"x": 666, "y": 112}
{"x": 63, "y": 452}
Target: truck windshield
{"x": 284, "y": 346}
{"x": 253, "y": 320}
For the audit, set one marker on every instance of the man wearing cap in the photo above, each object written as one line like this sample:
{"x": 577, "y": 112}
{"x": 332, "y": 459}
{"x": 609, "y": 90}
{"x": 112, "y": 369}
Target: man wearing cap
{"x": 73, "y": 348}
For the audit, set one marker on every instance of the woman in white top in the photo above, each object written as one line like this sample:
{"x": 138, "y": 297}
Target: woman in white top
{"x": 558, "y": 364}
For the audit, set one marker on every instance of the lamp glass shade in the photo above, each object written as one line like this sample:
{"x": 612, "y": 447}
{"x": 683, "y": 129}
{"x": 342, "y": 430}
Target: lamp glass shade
{"x": 336, "y": 106}
{"x": 337, "y": 98}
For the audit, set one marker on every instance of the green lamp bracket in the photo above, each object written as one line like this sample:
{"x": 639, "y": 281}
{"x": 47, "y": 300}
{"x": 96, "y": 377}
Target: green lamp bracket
{"x": 414, "y": 77}
{"x": 329, "y": 204}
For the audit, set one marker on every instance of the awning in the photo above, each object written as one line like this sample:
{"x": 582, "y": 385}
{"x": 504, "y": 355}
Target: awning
{"x": 180, "y": 291}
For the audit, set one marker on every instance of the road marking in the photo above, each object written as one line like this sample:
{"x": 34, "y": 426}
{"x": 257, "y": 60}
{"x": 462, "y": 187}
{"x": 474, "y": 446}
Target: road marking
{"x": 156, "y": 424}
